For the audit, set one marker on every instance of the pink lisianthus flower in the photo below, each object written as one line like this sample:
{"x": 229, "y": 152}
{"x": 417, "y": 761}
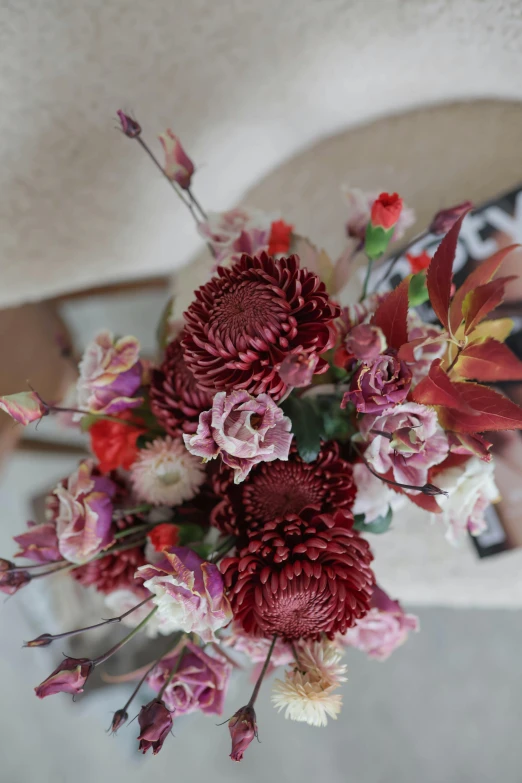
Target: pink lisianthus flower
{"x": 242, "y": 429}
{"x": 432, "y": 346}
{"x": 200, "y": 681}
{"x": 240, "y": 230}
{"x": 188, "y": 592}
{"x": 407, "y": 440}
{"x": 297, "y": 369}
{"x": 69, "y": 677}
{"x": 383, "y": 629}
{"x": 374, "y": 496}
{"x": 110, "y": 375}
{"x": 39, "y": 543}
{"x": 84, "y": 514}
{"x": 378, "y": 385}
{"x": 178, "y": 166}
{"x": 243, "y": 728}
{"x": 360, "y": 205}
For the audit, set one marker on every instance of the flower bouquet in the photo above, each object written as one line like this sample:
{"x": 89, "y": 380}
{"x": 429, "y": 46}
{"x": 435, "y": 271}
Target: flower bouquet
{"x": 235, "y": 486}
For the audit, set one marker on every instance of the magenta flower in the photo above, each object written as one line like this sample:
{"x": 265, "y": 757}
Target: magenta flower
{"x": 200, "y": 681}
{"x": 297, "y": 369}
{"x": 155, "y": 723}
{"x": 24, "y": 407}
{"x": 69, "y": 677}
{"x": 110, "y": 375}
{"x": 188, "y": 592}
{"x": 178, "y": 166}
{"x": 39, "y": 543}
{"x": 10, "y": 580}
{"x": 383, "y": 629}
{"x": 243, "y": 728}
{"x": 84, "y": 517}
{"x": 379, "y": 385}
{"x": 365, "y": 342}
{"x": 407, "y": 440}
{"x": 244, "y": 430}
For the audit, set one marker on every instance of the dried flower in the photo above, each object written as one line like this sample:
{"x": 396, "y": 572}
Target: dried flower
{"x": 365, "y": 342}
{"x": 188, "y": 592}
{"x": 444, "y": 220}
{"x": 243, "y": 728}
{"x": 24, "y": 407}
{"x": 471, "y": 488}
{"x": 300, "y": 576}
{"x": 379, "y": 385}
{"x": 120, "y": 717}
{"x": 165, "y": 473}
{"x": 243, "y": 430}
{"x": 39, "y": 543}
{"x": 129, "y": 126}
{"x": 297, "y": 370}
{"x": 200, "y": 681}
{"x": 248, "y": 318}
{"x": 155, "y": 723}
{"x": 84, "y": 516}
{"x": 114, "y": 444}
{"x": 12, "y": 581}
{"x": 178, "y": 166}
{"x": 110, "y": 375}
{"x": 69, "y": 677}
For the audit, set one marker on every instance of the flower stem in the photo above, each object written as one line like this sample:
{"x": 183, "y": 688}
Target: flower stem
{"x": 123, "y": 512}
{"x": 396, "y": 258}
{"x": 105, "y": 656}
{"x": 263, "y": 672}
{"x": 140, "y": 683}
{"x": 196, "y": 203}
{"x": 223, "y": 549}
{"x": 369, "y": 268}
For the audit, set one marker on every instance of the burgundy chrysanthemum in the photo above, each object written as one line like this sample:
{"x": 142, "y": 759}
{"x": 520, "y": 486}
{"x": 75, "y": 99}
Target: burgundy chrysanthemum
{"x": 116, "y": 571}
{"x": 300, "y": 577}
{"x": 274, "y": 489}
{"x": 247, "y": 318}
{"x": 176, "y": 399}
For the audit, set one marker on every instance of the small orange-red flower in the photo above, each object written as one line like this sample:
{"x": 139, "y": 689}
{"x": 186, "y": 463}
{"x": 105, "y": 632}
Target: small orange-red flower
{"x": 386, "y": 210}
{"x": 163, "y": 536}
{"x": 114, "y": 443}
{"x": 280, "y": 238}
{"x": 418, "y": 263}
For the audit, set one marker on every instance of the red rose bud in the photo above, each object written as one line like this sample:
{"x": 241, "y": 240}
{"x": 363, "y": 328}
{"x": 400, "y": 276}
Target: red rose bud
{"x": 155, "y": 723}
{"x": 444, "y": 220}
{"x": 69, "y": 677}
{"x": 178, "y": 166}
{"x": 163, "y": 536}
{"x": 129, "y": 126}
{"x": 366, "y": 342}
{"x": 12, "y": 581}
{"x": 280, "y": 238}
{"x": 386, "y": 211}
{"x": 297, "y": 370}
{"x": 243, "y": 729}
{"x": 120, "y": 717}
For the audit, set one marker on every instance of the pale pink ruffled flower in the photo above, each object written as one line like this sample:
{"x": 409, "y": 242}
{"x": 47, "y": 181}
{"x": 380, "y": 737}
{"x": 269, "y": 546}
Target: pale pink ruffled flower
{"x": 84, "y": 514}
{"x": 359, "y": 210}
{"x": 374, "y": 496}
{"x": 365, "y": 342}
{"x": 178, "y": 166}
{"x": 24, "y": 407}
{"x": 407, "y": 440}
{"x": 110, "y": 375}
{"x": 165, "y": 474}
{"x": 256, "y": 649}
{"x": 297, "y": 369}
{"x": 240, "y": 230}
{"x": 188, "y": 592}
{"x": 433, "y": 345}
{"x": 242, "y": 429}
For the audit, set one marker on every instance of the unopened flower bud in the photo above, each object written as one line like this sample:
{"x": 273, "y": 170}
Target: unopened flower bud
{"x": 69, "y": 677}
{"x": 155, "y": 723}
{"x": 11, "y": 581}
{"x": 129, "y": 126}
{"x": 5, "y": 565}
{"x": 120, "y": 717}
{"x": 443, "y": 220}
{"x": 243, "y": 728}
{"x": 431, "y": 489}
{"x": 297, "y": 369}
{"x": 44, "y": 640}
{"x": 24, "y": 407}
{"x": 366, "y": 342}
{"x": 385, "y": 213}
{"x": 178, "y": 166}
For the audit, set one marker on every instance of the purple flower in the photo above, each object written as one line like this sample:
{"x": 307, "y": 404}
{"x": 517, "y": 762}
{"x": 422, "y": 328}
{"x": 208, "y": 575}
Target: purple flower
{"x": 188, "y": 592}
{"x": 69, "y": 677}
{"x": 383, "y": 629}
{"x": 110, "y": 375}
{"x": 155, "y": 723}
{"x": 244, "y": 430}
{"x": 10, "y": 580}
{"x": 39, "y": 543}
{"x": 379, "y": 385}
{"x": 24, "y": 407}
{"x": 297, "y": 369}
{"x": 407, "y": 440}
{"x": 365, "y": 342}
{"x": 84, "y": 517}
{"x": 178, "y": 166}
{"x": 243, "y": 728}
{"x": 200, "y": 681}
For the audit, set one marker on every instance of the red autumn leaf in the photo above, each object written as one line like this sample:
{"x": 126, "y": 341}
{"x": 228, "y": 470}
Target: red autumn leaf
{"x": 482, "y": 300}
{"x": 437, "y": 389}
{"x": 407, "y": 351}
{"x": 492, "y": 411}
{"x": 438, "y": 279}
{"x": 482, "y": 274}
{"x": 392, "y": 315}
{"x": 489, "y": 361}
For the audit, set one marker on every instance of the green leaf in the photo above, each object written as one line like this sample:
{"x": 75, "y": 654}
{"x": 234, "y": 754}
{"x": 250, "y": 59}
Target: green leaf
{"x": 87, "y": 421}
{"x": 418, "y": 291}
{"x": 307, "y": 425}
{"x": 379, "y": 525}
{"x": 189, "y": 534}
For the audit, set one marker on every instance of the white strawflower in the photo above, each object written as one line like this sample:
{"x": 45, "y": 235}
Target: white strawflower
{"x": 307, "y": 692}
{"x": 165, "y": 474}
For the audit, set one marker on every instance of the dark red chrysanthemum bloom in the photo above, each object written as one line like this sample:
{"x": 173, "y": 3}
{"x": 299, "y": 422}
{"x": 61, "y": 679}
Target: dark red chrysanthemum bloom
{"x": 300, "y": 577}
{"x": 274, "y": 489}
{"x": 176, "y": 399}
{"x": 115, "y": 571}
{"x": 246, "y": 319}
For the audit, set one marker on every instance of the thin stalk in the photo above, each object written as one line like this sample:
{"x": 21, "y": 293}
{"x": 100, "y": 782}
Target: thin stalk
{"x": 36, "y": 565}
{"x": 255, "y": 692}
{"x": 197, "y": 204}
{"x": 426, "y": 489}
{"x": 140, "y": 683}
{"x": 366, "y": 280}
{"x": 123, "y": 512}
{"x": 117, "y": 647}
{"x": 394, "y": 260}
{"x": 222, "y": 550}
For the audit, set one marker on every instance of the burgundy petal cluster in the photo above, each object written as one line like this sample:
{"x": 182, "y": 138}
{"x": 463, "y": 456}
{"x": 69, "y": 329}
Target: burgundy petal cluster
{"x": 379, "y": 385}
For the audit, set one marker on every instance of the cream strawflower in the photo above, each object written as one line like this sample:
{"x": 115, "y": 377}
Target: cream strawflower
{"x": 166, "y": 474}
{"x": 307, "y": 692}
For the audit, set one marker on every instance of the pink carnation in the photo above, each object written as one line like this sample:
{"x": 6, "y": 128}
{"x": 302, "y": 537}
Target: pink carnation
{"x": 244, "y": 430}
{"x": 84, "y": 514}
{"x": 110, "y": 375}
{"x": 407, "y": 440}
{"x": 378, "y": 385}
{"x": 188, "y": 592}
{"x": 365, "y": 342}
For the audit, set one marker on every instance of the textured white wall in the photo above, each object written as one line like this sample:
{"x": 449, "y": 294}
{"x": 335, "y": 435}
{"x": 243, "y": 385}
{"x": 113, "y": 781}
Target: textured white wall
{"x": 246, "y": 83}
